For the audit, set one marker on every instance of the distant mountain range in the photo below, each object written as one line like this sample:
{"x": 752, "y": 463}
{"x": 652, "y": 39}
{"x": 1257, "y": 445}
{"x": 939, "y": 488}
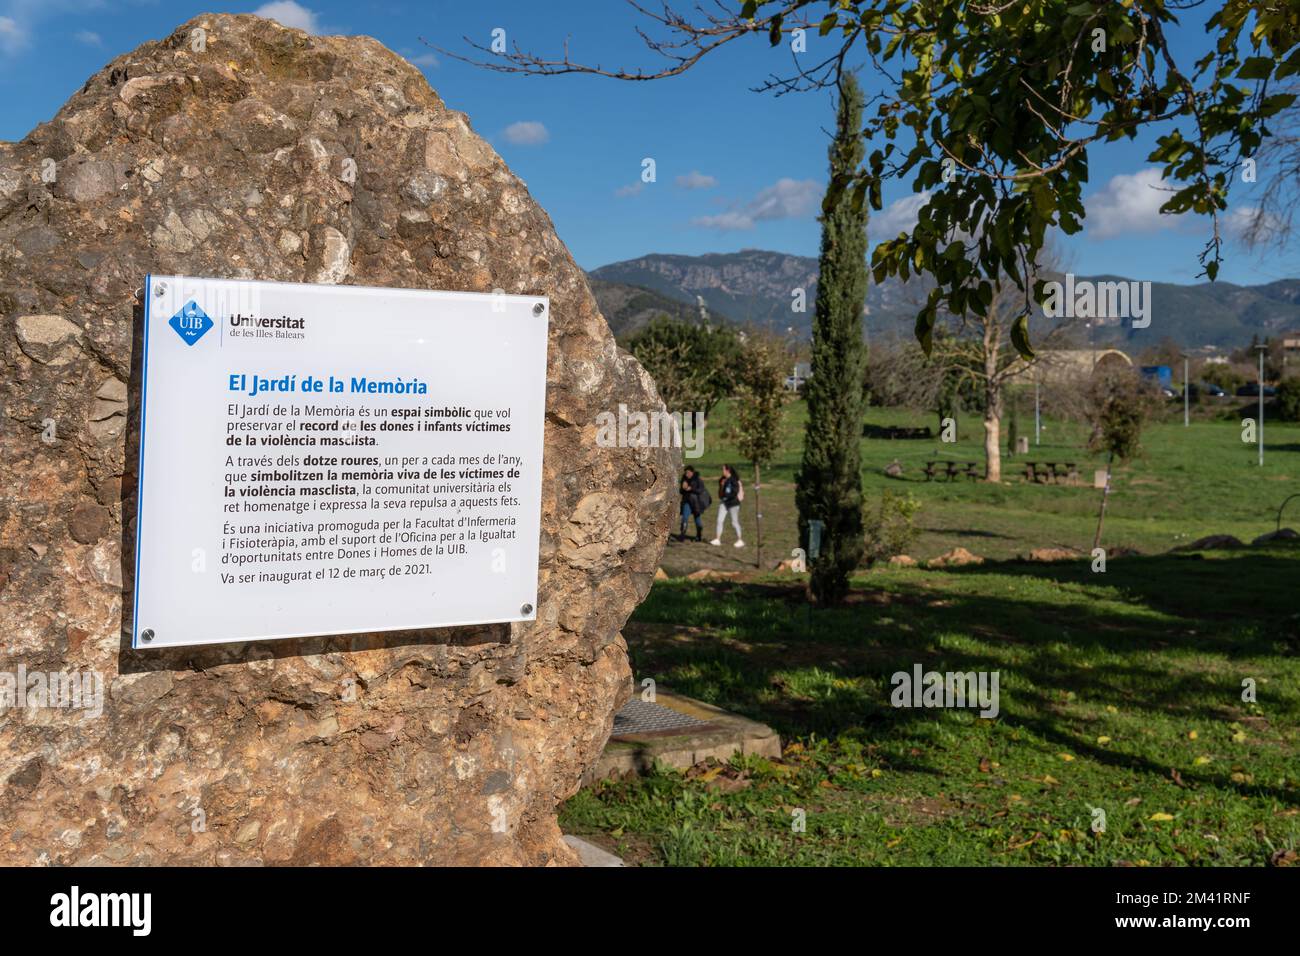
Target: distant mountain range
{"x": 757, "y": 287}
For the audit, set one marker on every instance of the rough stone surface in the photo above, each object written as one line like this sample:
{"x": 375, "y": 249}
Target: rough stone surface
{"x": 1281, "y": 534}
{"x": 1213, "y": 542}
{"x": 276, "y": 155}
{"x": 1054, "y": 554}
{"x": 956, "y": 558}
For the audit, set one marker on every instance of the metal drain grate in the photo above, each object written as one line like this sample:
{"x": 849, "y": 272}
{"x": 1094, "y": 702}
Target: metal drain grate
{"x": 639, "y": 717}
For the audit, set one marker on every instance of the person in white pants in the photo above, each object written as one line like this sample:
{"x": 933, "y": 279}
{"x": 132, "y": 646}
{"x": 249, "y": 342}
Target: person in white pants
{"x": 730, "y": 495}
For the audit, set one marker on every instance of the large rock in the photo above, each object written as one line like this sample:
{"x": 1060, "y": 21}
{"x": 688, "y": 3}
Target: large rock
{"x": 272, "y": 154}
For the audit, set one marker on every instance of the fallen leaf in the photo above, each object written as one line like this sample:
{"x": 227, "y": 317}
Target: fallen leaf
{"x": 1066, "y": 757}
{"x": 1239, "y": 737}
{"x": 1284, "y": 858}
{"x": 1161, "y": 817}
{"x": 985, "y": 765}
{"x": 1191, "y": 735}
{"x": 1201, "y": 761}
{"x": 893, "y": 843}
{"x": 1103, "y": 740}
{"x": 1021, "y": 846}
{"x": 1049, "y": 779}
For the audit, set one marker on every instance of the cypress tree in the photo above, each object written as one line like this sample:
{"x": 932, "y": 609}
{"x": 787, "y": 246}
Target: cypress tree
{"x": 830, "y": 476}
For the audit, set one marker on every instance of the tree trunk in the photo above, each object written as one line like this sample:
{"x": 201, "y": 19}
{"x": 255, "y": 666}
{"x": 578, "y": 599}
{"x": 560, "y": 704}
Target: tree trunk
{"x": 992, "y": 405}
{"x": 1105, "y": 493}
{"x": 758, "y": 523}
{"x": 992, "y": 444}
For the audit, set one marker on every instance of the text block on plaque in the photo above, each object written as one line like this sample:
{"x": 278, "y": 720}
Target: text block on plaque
{"x": 335, "y": 459}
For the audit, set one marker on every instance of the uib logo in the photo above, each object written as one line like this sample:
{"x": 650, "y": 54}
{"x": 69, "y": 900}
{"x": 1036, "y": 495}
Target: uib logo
{"x": 191, "y": 323}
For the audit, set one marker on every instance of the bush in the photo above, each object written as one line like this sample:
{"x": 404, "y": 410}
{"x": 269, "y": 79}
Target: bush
{"x": 1288, "y": 399}
{"x": 1224, "y": 376}
{"x": 1120, "y": 403}
{"x": 891, "y": 529}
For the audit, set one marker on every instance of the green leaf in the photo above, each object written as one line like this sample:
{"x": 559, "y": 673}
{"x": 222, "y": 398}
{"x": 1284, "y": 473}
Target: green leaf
{"x": 1020, "y": 337}
{"x": 1256, "y": 68}
{"x": 774, "y": 34}
{"x": 925, "y": 330}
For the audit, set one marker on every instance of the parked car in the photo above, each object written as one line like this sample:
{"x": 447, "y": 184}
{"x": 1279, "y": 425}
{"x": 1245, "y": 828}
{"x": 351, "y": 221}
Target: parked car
{"x": 1210, "y": 389}
{"x": 1251, "y": 390}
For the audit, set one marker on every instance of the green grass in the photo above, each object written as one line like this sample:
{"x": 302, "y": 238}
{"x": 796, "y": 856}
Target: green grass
{"x": 1186, "y": 484}
{"x": 1120, "y": 691}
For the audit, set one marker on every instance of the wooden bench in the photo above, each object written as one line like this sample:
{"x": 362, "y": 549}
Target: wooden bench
{"x": 1051, "y": 471}
{"x": 951, "y": 468}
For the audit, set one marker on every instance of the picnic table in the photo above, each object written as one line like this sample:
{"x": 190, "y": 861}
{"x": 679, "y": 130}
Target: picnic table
{"x": 1051, "y": 471}
{"x": 951, "y": 468}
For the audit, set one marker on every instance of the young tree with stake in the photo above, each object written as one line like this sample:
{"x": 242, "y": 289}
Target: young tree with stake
{"x": 759, "y": 403}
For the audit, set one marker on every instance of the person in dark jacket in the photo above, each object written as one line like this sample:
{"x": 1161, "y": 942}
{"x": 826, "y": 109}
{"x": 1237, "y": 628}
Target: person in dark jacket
{"x": 693, "y": 493}
{"x": 730, "y": 495}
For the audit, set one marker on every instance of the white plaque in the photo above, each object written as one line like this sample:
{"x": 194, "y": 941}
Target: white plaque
{"x": 335, "y": 459}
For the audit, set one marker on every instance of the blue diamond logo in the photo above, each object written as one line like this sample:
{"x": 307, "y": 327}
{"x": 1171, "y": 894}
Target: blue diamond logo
{"x": 190, "y": 323}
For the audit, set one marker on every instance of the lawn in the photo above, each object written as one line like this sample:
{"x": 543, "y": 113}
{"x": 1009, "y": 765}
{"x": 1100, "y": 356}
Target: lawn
{"x": 1186, "y": 484}
{"x": 1124, "y": 735}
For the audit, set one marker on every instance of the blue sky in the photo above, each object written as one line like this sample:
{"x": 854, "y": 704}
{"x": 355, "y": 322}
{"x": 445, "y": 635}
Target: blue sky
{"x": 734, "y": 169}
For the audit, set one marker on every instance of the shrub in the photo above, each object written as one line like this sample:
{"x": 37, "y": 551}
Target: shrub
{"x": 891, "y": 528}
{"x": 1288, "y": 399}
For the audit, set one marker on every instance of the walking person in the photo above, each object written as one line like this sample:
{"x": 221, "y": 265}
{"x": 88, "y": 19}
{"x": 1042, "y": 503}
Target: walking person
{"x": 695, "y": 498}
{"x": 730, "y": 494}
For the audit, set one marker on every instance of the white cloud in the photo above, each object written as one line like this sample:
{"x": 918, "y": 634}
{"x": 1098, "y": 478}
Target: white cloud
{"x": 1129, "y": 205}
{"x": 88, "y": 37}
{"x": 784, "y": 199}
{"x": 13, "y": 36}
{"x": 290, "y": 14}
{"x": 622, "y": 192}
{"x": 899, "y": 216}
{"x": 425, "y": 60}
{"x": 526, "y": 133}
{"x": 696, "y": 180}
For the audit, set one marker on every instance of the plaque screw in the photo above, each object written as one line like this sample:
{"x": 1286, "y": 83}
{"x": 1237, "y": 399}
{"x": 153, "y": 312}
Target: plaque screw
{"x": 526, "y": 609}
{"x": 538, "y": 309}
{"x": 160, "y": 290}
{"x": 146, "y": 635}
